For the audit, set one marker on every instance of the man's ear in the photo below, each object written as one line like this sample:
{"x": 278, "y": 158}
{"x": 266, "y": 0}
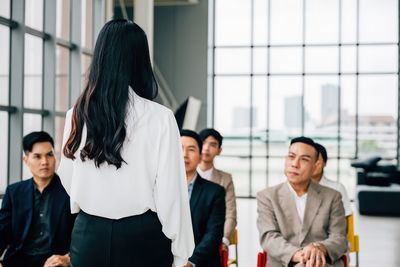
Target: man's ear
{"x": 219, "y": 151}
{"x": 25, "y": 158}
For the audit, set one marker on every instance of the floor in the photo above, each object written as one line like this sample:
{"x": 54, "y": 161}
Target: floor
{"x": 379, "y": 238}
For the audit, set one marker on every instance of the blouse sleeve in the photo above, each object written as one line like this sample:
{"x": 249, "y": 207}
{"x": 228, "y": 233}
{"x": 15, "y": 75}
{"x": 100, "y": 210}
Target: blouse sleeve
{"x": 64, "y": 170}
{"x": 171, "y": 194}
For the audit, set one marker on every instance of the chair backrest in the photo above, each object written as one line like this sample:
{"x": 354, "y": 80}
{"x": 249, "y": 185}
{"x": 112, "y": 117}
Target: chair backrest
{"x": 262, "y": 259}
{"x": 351, "y": 237}
{"x": 224, "y": 256}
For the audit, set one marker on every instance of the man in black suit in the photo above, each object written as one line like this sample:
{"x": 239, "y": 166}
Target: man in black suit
{"x": 35, "y": 217}
{"x": 207, "y": 206}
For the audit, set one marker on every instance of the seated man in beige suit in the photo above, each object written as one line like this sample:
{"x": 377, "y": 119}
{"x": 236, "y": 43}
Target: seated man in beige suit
{"x": 212, "y": 147}
{"x": 301, "y": 223}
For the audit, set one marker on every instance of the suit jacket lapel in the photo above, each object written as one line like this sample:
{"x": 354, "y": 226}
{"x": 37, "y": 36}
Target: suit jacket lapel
{"x": 289, "y": 208}
{"x": 313, "y": 203}
{"x": 197, "y": 188}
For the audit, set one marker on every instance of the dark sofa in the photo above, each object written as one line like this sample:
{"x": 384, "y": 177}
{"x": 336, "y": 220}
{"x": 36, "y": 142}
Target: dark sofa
{"x": 378, "y": 187}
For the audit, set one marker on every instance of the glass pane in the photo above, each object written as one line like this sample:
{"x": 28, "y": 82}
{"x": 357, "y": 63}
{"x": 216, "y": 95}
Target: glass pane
{"x": 259, "y": 175}
{"x": 239, "y": 168}
{"x": 232, "y": 106}
{"x": 286, "y": 21}
{"x": 349, "y": 21}
{"x": 322, "y": 59}
{"x": 286, "y": 60}
{"x": 85, "y": 68}
{"x": 63, "y": 19}
{"x": 285, "y": 120}
{"x": 322, "y": 21}
{"x": 34, "y": 14}
{"x": 5, "y": 9}
{"x": 347, "y": 177}
{"x": 379, "y": 21}
{"x": 232, "y": 22}
{"x": 32, "y": 123}
{"x": 3, "y": 151}
{"x": 62, "y": 79}
{"x": 348, "y": 59}
{"x": 321, "y": 104}
{"x": 260, "y": 22}
{"x": 276, "y": 168}
{"x": 259, "y": 116}
{"x": 348, "y": 116}
{"x": 382, "y": 58}
{"x": 87, "y": 23}
{"x": 33, "y": 72}
{"x": 260, "y": 59}
{"x": 377, "y": 119}
{"x": 225, "y": 64}
{"x": 331, "y": 168}
{"x": 4, "y": 64}
{"x": 59, "y": 131}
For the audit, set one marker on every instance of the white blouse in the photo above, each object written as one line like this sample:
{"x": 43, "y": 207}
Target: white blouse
{"x": 153, "y": 177}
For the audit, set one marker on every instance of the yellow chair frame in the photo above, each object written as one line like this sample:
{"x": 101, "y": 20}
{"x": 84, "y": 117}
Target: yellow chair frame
{"x": 354, "y": 245}
{"x": 234, "y": 242}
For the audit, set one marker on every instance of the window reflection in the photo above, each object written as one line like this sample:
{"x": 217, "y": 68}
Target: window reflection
{"x": 87, "y": 23}
{"x": 322, "y": 59}
{"x": 5, "y": 8}
{"x": 63, "y": 19}
{"x": 377, "y": 119}
{"x": 382, "y": 58}
{"x": 4, "y": 64}
{"x": 62, "y": 79}
{"x": 232, "y": 22}
{"x": 286, "y": 60}
{"x": 286, "y": 21}
{"x": 33, "y": 72}
{"x": 232, "y": 60}
{"x": 322, "y": 21}
{"x": 34, "y": 14}
{"x": 3, "y": 151}
{"x": 379, "y": 21}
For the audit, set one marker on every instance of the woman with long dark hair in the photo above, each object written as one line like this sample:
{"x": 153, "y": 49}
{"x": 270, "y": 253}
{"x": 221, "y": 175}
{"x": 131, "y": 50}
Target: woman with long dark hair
{"x": 122, "y": 163}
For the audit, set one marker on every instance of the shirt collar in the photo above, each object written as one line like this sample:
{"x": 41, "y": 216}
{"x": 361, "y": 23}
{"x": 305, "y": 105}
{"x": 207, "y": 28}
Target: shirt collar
{"x": 294, "y": 192}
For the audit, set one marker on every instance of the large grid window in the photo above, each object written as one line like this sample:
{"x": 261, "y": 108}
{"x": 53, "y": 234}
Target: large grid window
{"x": 43, "y": 45}
{"x": 324, "y": 69}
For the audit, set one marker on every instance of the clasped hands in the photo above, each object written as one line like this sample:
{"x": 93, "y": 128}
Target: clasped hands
{"x": 313, "y": 255}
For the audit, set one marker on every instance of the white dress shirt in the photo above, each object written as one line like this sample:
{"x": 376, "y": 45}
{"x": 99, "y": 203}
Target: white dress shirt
{"x": 153, "y": 178}
{"x": 338, "y": 187}
{"x": 206, "y": 174}
{"x": 300, "y": 202}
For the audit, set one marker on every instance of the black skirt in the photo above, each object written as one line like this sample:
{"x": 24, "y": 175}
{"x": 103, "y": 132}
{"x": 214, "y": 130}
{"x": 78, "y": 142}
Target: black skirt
{"x": 132, "y": 241}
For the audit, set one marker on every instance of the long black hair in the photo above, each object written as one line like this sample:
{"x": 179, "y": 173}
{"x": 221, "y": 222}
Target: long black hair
{"x": 120, "y": 59}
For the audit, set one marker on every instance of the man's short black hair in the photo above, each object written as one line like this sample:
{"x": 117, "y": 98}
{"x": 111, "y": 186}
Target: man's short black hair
{"x": 322, "y": 150}
{"x": 211, "y": 132}
{"x": 194, "y": 135}
{"x": 35, "y": 137}
{"x": 307, "y": 141}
